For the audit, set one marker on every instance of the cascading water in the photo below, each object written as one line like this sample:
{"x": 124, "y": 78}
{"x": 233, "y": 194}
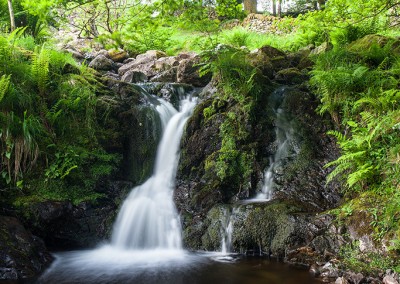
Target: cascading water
{"x": 146, "y": 241}
{"x": 285, "y": 135}
{"x": 226, "y": 232}
{"x": 148, "y": 217}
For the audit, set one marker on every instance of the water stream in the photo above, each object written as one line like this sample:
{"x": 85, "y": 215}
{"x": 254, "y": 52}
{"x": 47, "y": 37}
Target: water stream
{"x": 148, "y": 217}
{"x": 284, "y": 138}
{"x": 146, "y": 244}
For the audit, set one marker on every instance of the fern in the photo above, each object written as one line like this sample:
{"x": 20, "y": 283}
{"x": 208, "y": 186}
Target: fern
{"x": 4, "y": 83}
{"x": 40, "y": 69}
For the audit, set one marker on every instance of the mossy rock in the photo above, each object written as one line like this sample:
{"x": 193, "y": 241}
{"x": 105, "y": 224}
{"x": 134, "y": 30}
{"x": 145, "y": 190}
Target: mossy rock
{"x": 365, "y": 43}
{"x": 272, "y": 228}
{"x": 291, "y": 76}
{"x": 117, "y": 55}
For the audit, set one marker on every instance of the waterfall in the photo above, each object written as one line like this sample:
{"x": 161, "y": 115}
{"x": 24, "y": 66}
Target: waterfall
{"x": 148, "y": 218}
{"x": 226, "y": 232}
{"x": 284, "y": 140}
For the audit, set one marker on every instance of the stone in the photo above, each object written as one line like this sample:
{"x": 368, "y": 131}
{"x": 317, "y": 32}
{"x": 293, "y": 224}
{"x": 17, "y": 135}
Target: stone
{"x": 389, "y": 279}
{"x": 365, "y": 43}
{"x": 355, "y": 278}
{"x": 341, "y": 280}
{"x": 314, "y": 270}
{"x": 145, "y": 63}
{"x": 22, "y": 255}
{"x": 324, "y": 47}
{"x": 290, "y": 76}
{"x": 75, "y": 54}
{"x": 101, "y": 63}
{"x": 188, "y": 73}
{"x": 118, "y": 55}
{"x": 166, "y": 76}
{"x": 64, "y": 225}
{"x": 165, "y": 63}
{"x": 133, "y": 76}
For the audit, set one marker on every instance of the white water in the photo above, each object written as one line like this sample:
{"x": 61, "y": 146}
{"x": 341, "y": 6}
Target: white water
{"x": 148, "y": 219}
{"x": 226, "y": 232}
{"x": 285, "y": 135}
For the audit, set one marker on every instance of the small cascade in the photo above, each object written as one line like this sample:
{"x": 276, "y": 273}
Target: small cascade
{"x": 148, "y": 219}
{"x": 285, "y": 137}
{"x": 226, "y": 232}
{"x": 227, "y": 226}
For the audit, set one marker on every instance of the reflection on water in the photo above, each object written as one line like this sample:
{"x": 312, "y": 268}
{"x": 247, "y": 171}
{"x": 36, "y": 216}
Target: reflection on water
{"x": 107, "y": 265}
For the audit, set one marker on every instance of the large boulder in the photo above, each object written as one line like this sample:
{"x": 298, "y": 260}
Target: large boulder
{"x": 188, "y": 72}
{"x": 102, "y": 63}
{"x": 144, "y": 63}
{"x": 22, "y": 255}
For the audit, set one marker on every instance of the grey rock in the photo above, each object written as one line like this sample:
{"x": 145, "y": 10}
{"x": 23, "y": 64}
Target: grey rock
{"x": 188, "y": 72}
{"x": 389, "y": 279}
{"x": 22, "y": 255}
{"x": 101, "y": 63}
{"x": 324, "y": 47}
{"x": 341, "y": 280}
{"x": 133, "y": 76}
{"x": 166, "y": 76}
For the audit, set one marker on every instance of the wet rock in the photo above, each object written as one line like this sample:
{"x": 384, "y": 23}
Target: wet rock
{"x": 133, "y": 76}
{"x": 330, "y": 271}
{"x": 290, "y": 76}
{"x": 262, "y": 62}
{"x": 63, "y": 225}
{"x": 101, "y": 63}
{"x": 188, "y": 72}
{"x": 314, "y": 270}
{"x": 305, "y": 256}
{"x": 22, "y": 255}
{"x": 166, "y": 76}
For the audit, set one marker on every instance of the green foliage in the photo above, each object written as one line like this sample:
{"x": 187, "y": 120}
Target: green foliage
{"x": 229, "y": 9}
{"x": 365, "y": 262}
{"x": 240, "y": 86}
{"x": 4, "y": 83}
{"x": 40, "y": 69}
{"x": 47, "y": 102}
{"x": 358, "y": 87}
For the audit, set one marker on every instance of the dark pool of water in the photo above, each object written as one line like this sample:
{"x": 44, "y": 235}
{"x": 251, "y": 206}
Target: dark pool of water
{"x": 104, "y": 266}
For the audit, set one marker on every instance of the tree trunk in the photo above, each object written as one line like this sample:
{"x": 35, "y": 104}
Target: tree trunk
{"x": 12, "y": 17}
{"x": 273, "y": 7}
{"x": 279, "y": 8}
{"x": 250, "y": 6}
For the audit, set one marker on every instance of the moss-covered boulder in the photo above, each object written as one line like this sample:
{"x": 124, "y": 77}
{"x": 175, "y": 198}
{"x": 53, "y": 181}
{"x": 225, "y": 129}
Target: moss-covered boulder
{"x": 291, "y": 76}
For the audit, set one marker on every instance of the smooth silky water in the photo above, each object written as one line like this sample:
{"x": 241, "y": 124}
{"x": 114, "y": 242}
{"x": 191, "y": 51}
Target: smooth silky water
{"x": 146, "y": 244}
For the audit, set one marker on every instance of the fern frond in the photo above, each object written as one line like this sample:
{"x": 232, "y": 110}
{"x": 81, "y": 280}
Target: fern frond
{"x": 372, "y": 102}
{"x": 40, "y": 69}
{"x": 345, "y": 158}
{"x": 362, "y": 173}
{"x": 340, "y": 137}
{"x": 4, "y": 83}
{"x": 337, "y": 171}
{"x": 359, "y": 72}
{"x": 15, "y": 34}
